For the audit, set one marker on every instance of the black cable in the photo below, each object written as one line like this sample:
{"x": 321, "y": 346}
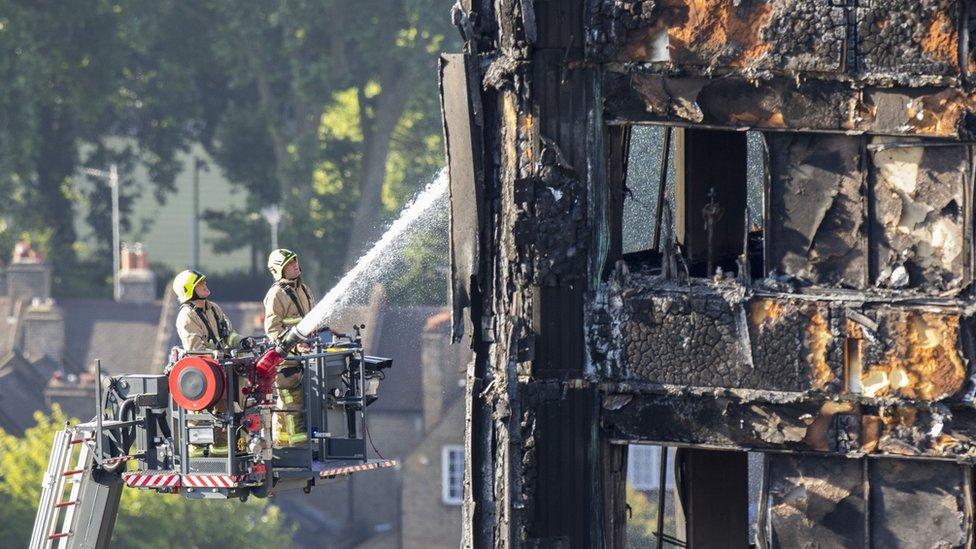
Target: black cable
{"x": 127, "y": 436}
{"x": 370, "y": 438}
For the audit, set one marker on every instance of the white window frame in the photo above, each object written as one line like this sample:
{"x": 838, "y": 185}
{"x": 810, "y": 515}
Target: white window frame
{"x": 452, "y": 487}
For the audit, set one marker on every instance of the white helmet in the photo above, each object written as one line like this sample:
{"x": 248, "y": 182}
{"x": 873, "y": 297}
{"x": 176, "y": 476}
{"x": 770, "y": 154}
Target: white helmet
{"x": 277, "y": 261}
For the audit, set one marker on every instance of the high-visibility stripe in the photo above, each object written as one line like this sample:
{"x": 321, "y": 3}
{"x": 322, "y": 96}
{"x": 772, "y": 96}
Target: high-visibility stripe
{"x": 213, "y": 481}
{"x": 150, "y": 480}
{"x": 349, "y": 469}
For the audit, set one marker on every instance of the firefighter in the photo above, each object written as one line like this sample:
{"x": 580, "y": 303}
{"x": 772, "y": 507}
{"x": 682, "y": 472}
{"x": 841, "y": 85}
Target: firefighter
{"x": 201, "y": 324}
{"x": 287, "y": 301}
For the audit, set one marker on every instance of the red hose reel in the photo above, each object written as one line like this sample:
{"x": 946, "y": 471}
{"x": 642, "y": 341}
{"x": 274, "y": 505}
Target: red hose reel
{"x": 197, "y": 382}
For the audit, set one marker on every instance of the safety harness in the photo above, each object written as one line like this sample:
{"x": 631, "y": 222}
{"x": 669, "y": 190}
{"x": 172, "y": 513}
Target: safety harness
{"x": 211, "y": 336}
{"x": 291, "y": 370}
{"x": 294, "y": 297}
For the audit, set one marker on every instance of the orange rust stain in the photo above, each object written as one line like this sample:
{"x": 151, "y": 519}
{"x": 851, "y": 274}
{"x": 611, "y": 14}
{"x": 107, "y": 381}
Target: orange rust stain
{"x": 527, "y": 123}
{"x": 899, "y": 417}
{"x": 924, "y": 361}
{"x": 871, "y": 427}
{"x": 701, "y": 29}
{"x": 764, "y": 311}
{"x": 944, "y": 443}
{"x": 817, "y": 437}
{"x": 853, "y": 330}
{"x": 939, "y": 113}
{"x": 940, "y": 39}
{"x": 759, "y": 120}
{"x": 818, "y": 338}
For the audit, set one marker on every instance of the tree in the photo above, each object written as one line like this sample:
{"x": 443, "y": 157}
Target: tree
{"x": 331, "y": 111}
{"x": 642, "y": 520}
{"x": 75, "y": 75}
{"x": 328, "y": 108}
{"x": 146, "y": 519}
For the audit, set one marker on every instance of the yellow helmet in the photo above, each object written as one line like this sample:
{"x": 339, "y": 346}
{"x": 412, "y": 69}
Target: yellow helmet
{"x": 277, "y": 261}
{"x": 185, "y": 283}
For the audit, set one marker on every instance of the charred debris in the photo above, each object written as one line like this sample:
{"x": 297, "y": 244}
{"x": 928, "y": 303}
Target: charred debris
{"x": 833, "y": 331}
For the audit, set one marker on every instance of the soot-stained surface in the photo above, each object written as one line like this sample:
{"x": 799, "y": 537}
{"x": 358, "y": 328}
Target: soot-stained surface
{"x": 771, "y": 421}
{"x": 919, "y": 214}
{"x": 906, "y": 495}
{"x": 820, "y": 206}
{"x": 817, "y": 209}
{"x": 804, "y": 36}
{"x": 707, "y": 341}
{"x": 557, "y": 224}
{"x": 810, "y": 105}
{"x": 644, "y": 328}
{"x": 896, "y": 38}
{"x": 908, "y": 42}
{"x": 815, "y": 501}
{"x": 818, "y": 501}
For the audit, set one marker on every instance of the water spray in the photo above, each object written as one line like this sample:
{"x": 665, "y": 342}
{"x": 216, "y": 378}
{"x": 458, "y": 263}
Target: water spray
{"x": 312, "y": 323}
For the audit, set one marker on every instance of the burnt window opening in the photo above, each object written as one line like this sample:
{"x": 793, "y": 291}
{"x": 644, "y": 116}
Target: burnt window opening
{"x": 644, "y": 496}
{"x": 712, "y": 187}
{"x": 689, "y": 489}
{"x": 642, "y": 189}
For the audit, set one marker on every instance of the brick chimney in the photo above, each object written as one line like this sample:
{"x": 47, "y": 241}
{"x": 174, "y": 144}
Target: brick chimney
{"x": 137, "y": 282}
{"x": 28, "y": 276}
{"x": 43, "y": 327}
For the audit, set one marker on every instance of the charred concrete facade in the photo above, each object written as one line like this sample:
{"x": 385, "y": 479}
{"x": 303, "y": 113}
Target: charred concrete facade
{"x": 836, "y": 336}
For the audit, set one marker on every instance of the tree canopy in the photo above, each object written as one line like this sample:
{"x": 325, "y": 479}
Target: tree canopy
{"x": 328, "y": 108}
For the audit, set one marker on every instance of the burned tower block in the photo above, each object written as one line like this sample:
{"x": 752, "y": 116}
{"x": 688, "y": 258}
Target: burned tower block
{"x": 801, "y": 287}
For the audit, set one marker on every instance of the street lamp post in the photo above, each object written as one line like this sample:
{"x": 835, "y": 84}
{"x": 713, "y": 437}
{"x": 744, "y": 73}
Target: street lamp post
{"x": 272, "y": 214}
{"x": 112, "y": 176}
{"x": 198, "y": 164}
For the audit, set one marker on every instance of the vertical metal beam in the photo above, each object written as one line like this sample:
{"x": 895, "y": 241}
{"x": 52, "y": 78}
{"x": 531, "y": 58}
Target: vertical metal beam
{"x": 614, "y": 505}
{"x": 113, "y": 181}
{"x": 98, "y": 507}
{"x": 662, "y": 491}
{"x": 662, "y": 186}
{"x": 99, "y": 410}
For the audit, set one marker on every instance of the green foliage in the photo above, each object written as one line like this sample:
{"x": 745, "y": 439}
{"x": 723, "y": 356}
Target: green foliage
{"x": 74, "y": 75}
{"x": 642, "y": 521}
{"x": 326, "y": 107}
{"x": 146, "y": 519}
{"x": 317, "y": 94}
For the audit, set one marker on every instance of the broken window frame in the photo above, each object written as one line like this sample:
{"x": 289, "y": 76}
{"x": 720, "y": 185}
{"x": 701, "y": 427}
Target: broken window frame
{"x": 669, "y": 223}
